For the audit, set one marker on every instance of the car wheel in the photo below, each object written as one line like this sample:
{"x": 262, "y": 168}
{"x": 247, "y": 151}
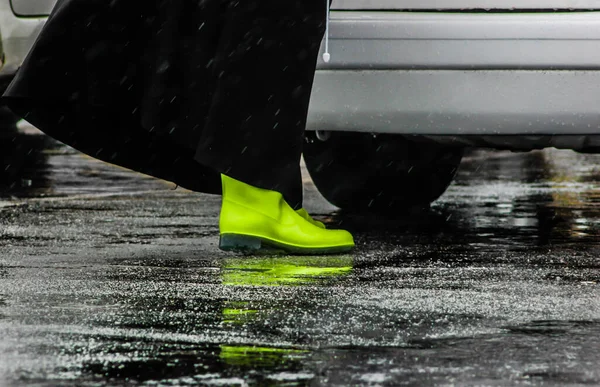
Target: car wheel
{"x": 362, "y": 172}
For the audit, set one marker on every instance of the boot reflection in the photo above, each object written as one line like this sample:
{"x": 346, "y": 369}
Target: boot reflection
{"x": 272, "y": 272}
{"x": 252, "y": 356}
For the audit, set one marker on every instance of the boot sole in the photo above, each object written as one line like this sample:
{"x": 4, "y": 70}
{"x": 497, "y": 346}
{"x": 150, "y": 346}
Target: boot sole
{"x": 253, "y": 244}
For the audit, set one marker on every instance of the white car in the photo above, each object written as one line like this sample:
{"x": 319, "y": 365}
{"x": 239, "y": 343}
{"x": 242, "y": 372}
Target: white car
{"x": 411, "y": 83}
{"x": 20, "y": 23}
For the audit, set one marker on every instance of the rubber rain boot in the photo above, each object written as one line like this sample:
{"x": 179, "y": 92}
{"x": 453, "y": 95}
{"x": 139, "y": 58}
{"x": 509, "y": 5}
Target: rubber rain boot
{"x": 303, "y": 213}
{"x": 255, "y": 219}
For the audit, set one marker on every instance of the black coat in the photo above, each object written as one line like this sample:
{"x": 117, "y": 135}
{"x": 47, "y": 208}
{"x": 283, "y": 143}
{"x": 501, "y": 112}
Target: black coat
{"x": 179, "y": 89}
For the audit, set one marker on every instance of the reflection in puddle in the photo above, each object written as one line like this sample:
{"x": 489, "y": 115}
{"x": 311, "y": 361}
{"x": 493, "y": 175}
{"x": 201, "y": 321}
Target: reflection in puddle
{"x": 277, "y": 271}
{"x": 554, "y": 327}
{"x": 238, "y": 312}
{"x": 270, "y": 271}
{"x": 280, "y": 365}
{"x": 573, "y": 196}
{"x": 538, "y": 198}
{"x": 3, "y": 304}
{"x": 231, "y": 326}
{"x": 285, "y": 270}
{"x": 259, "y": 357}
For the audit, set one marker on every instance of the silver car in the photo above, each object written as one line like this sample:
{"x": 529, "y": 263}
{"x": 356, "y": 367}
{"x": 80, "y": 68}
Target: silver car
{"x": 20, "y": 23}
{"x": 411, "y": 83}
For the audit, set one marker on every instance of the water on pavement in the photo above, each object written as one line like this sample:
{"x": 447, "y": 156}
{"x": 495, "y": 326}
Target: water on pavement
{"x": 112, "y": 278}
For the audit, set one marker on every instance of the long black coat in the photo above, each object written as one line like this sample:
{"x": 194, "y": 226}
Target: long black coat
{"x": 179, "y": 89}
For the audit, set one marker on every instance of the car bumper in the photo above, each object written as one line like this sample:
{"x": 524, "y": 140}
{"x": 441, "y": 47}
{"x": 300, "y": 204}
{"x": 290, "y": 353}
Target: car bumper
{"x": 456, "y": 102}
{"x": 460, "y": 74}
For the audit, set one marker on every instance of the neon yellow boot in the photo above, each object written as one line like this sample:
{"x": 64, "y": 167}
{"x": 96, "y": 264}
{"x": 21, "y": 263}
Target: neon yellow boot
{"x": 254, "y": 219}
{"x": 303, "y": 213}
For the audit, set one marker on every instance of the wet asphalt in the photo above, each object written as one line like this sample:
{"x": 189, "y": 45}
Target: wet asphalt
{"x": 112, "y": 278}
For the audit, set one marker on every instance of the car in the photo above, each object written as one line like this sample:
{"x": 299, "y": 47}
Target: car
{"x": 412, "y": 83}
{"x": 20, "y": 23}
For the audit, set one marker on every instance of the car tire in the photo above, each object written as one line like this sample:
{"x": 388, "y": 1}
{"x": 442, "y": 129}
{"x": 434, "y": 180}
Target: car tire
{"x": 384, "y": 173}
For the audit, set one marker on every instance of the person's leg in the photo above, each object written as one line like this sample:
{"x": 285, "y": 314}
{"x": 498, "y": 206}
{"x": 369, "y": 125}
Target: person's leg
{"x": 265, "y": 67}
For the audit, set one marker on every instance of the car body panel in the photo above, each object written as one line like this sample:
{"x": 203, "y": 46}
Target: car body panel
{"x": 465, "y": 4}
{"x": 415, "y": 40}
{"x": 18, "y": 35}
{"x": 453, "y": 74}
{"x": 32, "y": 7}
{"x": 453, "y": 102}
